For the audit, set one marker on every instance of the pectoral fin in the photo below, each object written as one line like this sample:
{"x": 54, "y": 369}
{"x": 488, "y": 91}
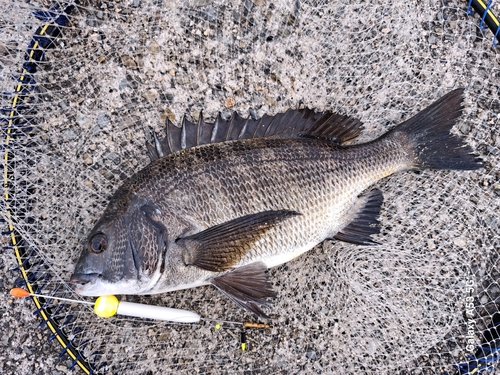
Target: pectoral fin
{"x": 248, "y": 286}
{"x": 221, "y": 247}
{"x": 363, "y": 220}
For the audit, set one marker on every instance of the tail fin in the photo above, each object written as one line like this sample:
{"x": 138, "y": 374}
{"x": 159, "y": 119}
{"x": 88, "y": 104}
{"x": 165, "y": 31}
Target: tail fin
{"x": 429, "y": 133}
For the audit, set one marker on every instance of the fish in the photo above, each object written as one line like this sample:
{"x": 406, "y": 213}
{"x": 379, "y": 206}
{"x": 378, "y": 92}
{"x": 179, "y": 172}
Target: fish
{"x": 221, "y": 203}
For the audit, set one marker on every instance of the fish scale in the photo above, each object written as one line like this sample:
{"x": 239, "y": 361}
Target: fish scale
{"x": 320, "y": 179}
{"x": 222, "y": 213}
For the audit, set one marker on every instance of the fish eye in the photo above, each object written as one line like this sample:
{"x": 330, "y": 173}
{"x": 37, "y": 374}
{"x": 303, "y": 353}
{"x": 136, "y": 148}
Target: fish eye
{"x": 98, "y": 243}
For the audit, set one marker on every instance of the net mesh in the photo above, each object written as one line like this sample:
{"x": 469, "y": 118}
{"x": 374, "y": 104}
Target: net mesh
{"x": 420, "y": 303}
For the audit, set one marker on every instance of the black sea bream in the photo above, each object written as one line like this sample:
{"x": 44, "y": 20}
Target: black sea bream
{"x": 223, "y": 202}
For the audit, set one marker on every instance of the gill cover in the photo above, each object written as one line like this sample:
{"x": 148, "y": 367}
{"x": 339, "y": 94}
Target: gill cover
{"x": 126, "y": 243}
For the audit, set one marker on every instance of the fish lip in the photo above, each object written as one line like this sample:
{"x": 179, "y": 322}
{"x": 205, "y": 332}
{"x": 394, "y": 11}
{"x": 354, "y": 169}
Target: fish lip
{"x": 83, "y": 278}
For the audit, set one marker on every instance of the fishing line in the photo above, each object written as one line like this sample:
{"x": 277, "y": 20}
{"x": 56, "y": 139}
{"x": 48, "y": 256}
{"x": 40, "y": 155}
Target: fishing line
{"x": 108, "y": 306}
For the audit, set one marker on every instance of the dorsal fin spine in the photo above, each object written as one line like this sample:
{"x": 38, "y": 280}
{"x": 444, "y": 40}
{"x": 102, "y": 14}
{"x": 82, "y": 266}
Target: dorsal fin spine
{"x": 183, "y": 133}
{"x": 199, "y": 128}
{"x": 169, "y": 135}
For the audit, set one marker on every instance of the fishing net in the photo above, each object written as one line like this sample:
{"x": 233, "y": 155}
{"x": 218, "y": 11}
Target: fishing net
{"x": 86, "y": 83}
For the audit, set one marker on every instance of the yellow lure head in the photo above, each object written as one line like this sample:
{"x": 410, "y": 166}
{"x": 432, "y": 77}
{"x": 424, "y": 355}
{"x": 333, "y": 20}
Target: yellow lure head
{"x": 106, "y": 306}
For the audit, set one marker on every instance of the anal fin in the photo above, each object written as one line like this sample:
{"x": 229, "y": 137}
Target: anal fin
{"x": 247, "y": 286}
{"x": 364, "y": 220}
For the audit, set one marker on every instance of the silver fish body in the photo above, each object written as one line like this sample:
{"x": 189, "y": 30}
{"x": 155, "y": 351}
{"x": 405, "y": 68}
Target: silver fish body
{"x": 222, "y": 213}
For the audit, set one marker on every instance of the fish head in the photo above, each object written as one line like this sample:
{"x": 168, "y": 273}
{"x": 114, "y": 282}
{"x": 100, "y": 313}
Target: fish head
{"x": 123, "y": 252}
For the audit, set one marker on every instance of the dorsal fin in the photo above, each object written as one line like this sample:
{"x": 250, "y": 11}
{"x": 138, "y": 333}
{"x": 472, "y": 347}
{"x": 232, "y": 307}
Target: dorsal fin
{"x": 294, "y": 123}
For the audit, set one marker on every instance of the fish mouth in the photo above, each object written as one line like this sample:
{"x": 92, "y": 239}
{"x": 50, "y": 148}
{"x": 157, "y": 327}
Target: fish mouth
{"x": 83, "y": 278}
